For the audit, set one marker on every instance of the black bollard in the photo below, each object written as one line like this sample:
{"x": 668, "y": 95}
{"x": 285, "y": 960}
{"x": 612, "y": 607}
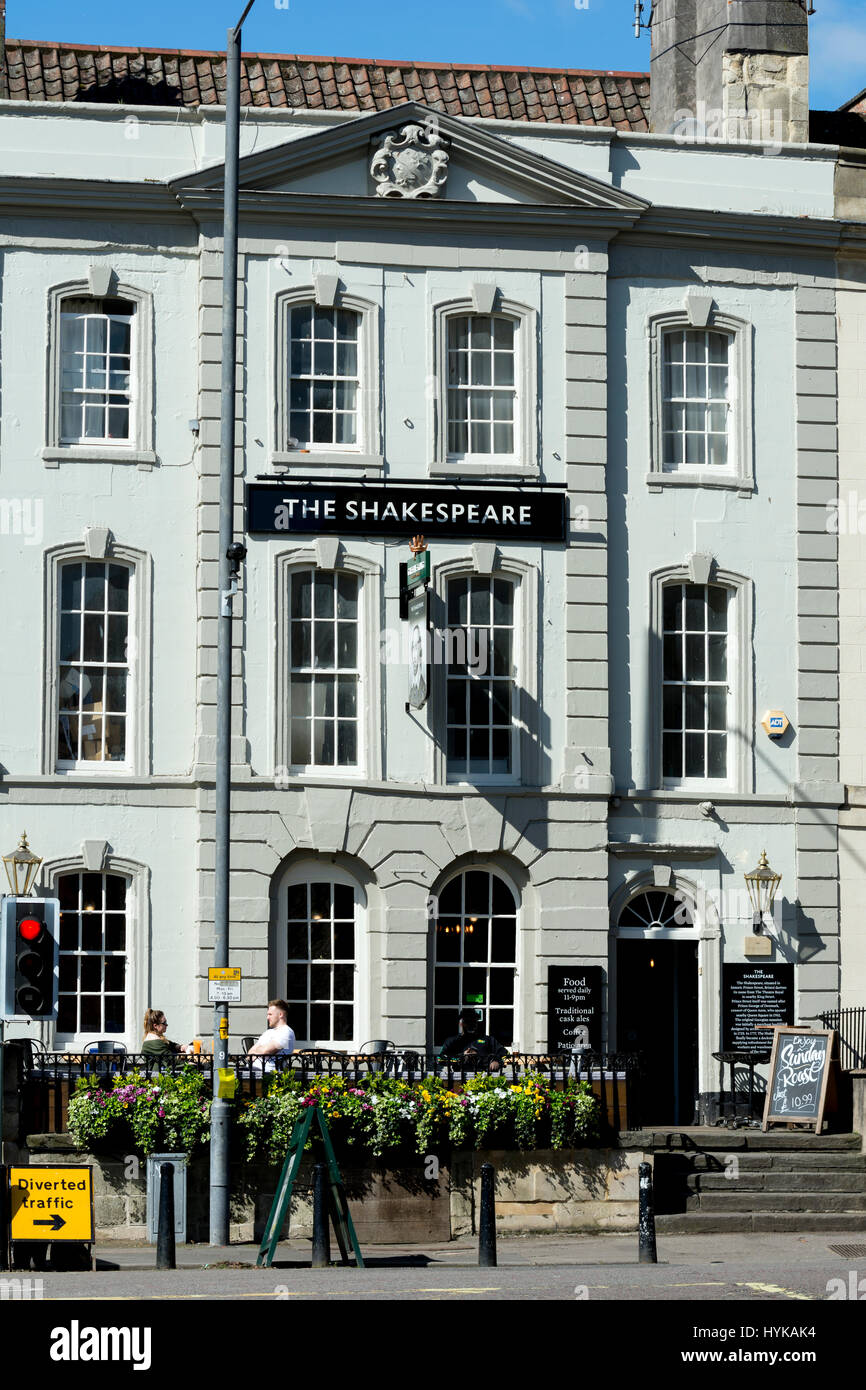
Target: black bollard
{"x": 487, "y": 1224}
{"x": 321, "y": 1230}
{"x": 646, "y": 1224}
{"x": 165, "y": 1253}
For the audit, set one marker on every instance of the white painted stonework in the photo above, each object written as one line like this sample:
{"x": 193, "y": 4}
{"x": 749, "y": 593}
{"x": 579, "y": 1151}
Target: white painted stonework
{"x": 574, "y": 230}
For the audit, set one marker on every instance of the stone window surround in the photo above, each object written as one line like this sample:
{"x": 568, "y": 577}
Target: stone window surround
{"x": 304, "y": 869}
{"x": 524, "y": 463}
{"x": 368, "y": 453}
{"x": 525, "y": 580}
{"x": 741, "y": 716}
{"x": 369, "y": 766}
{"x": 138, "y": 732}
{"x": 139, "y": 449}
{"x": 137, "y": 900}
{"x": 739, "y": 472}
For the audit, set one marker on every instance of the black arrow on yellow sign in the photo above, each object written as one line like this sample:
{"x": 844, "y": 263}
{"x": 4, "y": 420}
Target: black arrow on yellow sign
{"x": 55, "y": 1222}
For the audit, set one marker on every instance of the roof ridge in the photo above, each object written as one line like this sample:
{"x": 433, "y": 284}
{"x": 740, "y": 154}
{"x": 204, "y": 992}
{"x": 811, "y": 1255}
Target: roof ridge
{"x": 321, "y": 58}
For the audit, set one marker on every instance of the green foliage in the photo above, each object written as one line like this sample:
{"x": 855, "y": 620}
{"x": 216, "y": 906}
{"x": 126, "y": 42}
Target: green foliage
{"x": 381, "y": 1117}
{"x": 168, "y": 1114}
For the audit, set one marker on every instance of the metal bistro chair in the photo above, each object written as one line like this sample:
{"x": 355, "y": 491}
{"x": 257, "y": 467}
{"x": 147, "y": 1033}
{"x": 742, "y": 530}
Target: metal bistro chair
{"x": 107, "y": 1053}
{"x": 384, "y": 1052}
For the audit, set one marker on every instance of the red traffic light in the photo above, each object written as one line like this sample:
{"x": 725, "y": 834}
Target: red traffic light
{"x": 29, "y": 928}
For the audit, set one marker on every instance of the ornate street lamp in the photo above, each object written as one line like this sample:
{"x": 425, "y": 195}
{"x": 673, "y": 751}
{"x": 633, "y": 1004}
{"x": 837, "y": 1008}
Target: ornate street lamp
{"x": 22, "y": 866}
{"x": 762, "y": 884}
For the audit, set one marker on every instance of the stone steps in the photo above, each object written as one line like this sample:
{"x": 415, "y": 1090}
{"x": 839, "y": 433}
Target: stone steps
{"x": 800, "y": 1180}
{"x": 741, "y": 1182}
{"x": 815, "y": 1201}
{"x": 738, "y": 1223}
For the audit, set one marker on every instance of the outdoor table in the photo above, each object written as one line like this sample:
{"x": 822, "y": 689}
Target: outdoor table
{"x": 732, "y": 1120}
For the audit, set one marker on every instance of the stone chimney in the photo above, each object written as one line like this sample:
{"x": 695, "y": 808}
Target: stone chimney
{"x": 735, "y": 71}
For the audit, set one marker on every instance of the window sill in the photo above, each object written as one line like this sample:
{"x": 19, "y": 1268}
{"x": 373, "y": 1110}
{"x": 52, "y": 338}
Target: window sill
{"x": 744, "y": 486}
{"x": 483, "y": 467}
{"x": 314, "y": 461}
{"x": 53, "y": 456}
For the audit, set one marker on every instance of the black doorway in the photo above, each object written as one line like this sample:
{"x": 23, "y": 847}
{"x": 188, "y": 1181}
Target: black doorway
{"x": 657, "y": 1015}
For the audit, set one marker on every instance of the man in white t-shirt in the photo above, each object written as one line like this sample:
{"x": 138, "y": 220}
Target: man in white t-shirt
{"x": 277, "y": 1040}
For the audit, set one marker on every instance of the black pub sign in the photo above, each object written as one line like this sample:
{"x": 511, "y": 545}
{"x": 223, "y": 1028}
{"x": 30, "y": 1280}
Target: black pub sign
{"x": 751, "y": 994}
{"x": 331, "y": 509}
{"x": 573, "y": 1007}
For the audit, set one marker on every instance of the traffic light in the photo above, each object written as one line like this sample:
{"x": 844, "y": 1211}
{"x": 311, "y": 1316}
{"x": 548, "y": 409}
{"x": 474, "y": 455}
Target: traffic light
{"x": 29, "y": 954}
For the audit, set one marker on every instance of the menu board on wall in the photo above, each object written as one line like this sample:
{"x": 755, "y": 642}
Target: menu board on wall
{"x": 754, "y": 994}
{"x": 573, "y": 1004}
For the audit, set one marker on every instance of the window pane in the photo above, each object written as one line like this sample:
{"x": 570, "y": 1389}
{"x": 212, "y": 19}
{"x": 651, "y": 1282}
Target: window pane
{"x": 302, "y": 695}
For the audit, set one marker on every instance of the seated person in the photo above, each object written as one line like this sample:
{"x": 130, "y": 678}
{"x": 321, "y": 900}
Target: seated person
{"x": 277, "y": 1040}
{"x": 472, "y": 1047}
{"x": 155, "y": 1043}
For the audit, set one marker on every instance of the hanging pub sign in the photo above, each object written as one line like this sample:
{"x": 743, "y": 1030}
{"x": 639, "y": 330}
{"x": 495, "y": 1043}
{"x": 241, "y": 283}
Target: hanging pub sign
{"x": 573, "y": 1007}
{"x": 752, "y": 995}
{"x": 419, "y": 668}
{"x": 799, "y": 1075}
{"x": 331, "y": 509}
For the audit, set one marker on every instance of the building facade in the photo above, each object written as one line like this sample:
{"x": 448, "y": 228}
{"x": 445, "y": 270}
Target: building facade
{"x": 459, "y": 320}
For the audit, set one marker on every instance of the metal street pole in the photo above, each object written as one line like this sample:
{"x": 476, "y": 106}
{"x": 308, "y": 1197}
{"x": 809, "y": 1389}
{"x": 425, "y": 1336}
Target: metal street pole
{"x": 228, "y": 568}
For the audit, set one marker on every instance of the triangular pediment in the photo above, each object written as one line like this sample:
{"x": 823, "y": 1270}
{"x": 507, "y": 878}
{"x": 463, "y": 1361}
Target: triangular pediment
{"x": 478, "y": 166}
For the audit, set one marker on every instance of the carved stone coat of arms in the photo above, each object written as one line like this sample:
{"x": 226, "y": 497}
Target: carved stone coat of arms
{"x": 411, "y": 164}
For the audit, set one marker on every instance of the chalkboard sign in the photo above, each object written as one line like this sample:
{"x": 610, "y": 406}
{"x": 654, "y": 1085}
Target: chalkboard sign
{"x": 799, "y": 1072}
{"x": 573, "y": 1007}
{"x": 753, "y": 994}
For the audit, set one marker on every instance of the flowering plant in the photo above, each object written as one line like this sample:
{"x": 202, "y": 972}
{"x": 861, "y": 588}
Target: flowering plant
{"x": 161, "y": 1113}
{"x": 386, "y": 1114}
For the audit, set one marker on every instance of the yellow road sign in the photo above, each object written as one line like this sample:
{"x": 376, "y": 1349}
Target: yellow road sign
{"x": 51, "y": 1204}
{"x": 224, "y": 972}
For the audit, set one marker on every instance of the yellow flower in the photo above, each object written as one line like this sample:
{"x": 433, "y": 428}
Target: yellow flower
{"x": 516, "y": 1088}
{"x": 426, "y": 1095}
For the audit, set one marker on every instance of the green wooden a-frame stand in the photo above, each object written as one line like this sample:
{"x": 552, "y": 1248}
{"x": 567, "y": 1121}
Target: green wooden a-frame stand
{"x": 339, "y": 1207}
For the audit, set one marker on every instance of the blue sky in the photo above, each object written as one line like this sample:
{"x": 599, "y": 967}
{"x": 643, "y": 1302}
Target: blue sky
{"x": 536, "y": 33}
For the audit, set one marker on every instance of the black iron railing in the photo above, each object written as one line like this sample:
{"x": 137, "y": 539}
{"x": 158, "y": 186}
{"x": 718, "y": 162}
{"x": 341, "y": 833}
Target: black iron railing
{"x": 850, "y": 1024}
{"x": 49, "y": 1078}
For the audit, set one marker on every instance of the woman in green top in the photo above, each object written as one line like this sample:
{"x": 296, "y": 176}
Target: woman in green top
{"x": 156, "y": 1044}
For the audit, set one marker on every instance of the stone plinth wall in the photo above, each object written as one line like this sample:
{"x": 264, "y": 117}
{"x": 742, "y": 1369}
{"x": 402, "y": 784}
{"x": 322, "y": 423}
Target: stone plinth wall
{"x": 564, "y": 1190}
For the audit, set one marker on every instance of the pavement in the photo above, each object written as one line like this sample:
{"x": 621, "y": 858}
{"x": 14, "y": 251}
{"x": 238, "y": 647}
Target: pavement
{"x": 515, "y": 1250}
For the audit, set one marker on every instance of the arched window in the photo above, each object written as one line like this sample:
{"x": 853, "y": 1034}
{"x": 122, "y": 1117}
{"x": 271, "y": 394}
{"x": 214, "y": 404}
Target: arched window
{"x": 94, "y": 672}
{"x": 317, "y": 951}
{"x": 94, "y": 935}
{"x": 484, "y": 412}
{"x": 475, "y": 954}
{"x": 696, "y": 708}
{"x": 96, "y": 357}
{"x": 700, "y": 401}
{"x": 324, "y": 376}
{"x": 482, "y": 385}
{"x": 656, "y": 909}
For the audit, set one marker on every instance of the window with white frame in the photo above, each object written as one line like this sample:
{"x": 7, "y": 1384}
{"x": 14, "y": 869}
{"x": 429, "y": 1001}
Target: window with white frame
{"x": 94, "y": 676}
{"x": 94, "y": 931}
{"x": 696, "y": 387}
{"x": 324, "y": 370}
{"x": 324, "y": 662}
{"x": 317, "y": 948}
{"x": 97, "y": 402}
{"x": 475, "y": 955}
{"x": 701, "y": 402}
{"x": 697, "y": 713}
{"x": 480, "y": 678}
{"x": 482, "y": 403}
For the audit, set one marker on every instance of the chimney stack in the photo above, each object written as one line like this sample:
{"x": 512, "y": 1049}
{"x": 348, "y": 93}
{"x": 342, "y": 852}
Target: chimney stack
{"x": 4, "y": 85}
{"x": 735, "y": 71}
